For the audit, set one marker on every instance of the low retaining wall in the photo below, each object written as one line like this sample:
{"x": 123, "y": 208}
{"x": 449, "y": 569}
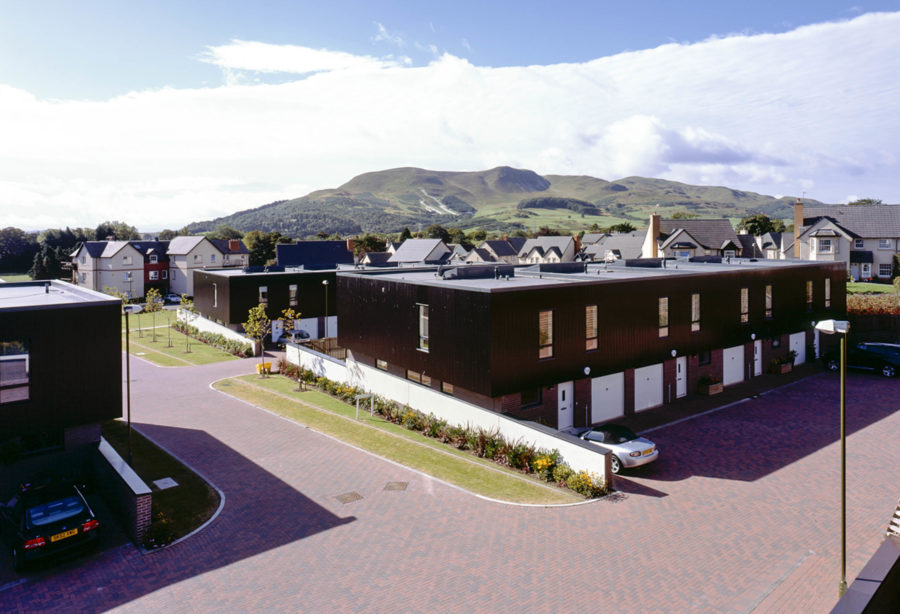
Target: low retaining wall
{"x": 123, "y": 490}
{"x": 208, "y": 326}
{"x": 575, "y": 453}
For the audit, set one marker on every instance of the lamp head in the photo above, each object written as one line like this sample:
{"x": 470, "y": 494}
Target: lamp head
{"x": 830, "y": 327}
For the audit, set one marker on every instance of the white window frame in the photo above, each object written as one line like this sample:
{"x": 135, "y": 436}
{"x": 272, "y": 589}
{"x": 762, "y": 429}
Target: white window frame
{"x": 695, "y": 312}
{"x": 663, "y": 316}
{"x": 264, "y": 295}
{"x": 154, "y": 275}
{"x": 859, "y": 243}
{"x": 591, "y": 335}
{"x": 745, "y": 305}
{"x": 165, "y": 274}
{"x": 154, "y": 258}
{"x": 126, "y": 260}
{"x": 885, "y": 269}
{"x": 825, "y": 246}
{"x": 423, "y": 313}
{"x": 729, "y": 253}
{"x": 292, "y": 295}
{"x": 545, "y": 346}
{"x": 885, "y": 243}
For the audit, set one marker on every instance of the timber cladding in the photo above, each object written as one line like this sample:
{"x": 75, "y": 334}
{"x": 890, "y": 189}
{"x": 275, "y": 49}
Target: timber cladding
{"x": 487, "y": 340}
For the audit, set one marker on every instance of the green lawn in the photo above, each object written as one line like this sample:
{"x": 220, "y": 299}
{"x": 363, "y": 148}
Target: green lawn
{"x": 328, "y": 415}
{"x": 178, "y": 510}
{"x": 159, "y": 352}
{"x": 857, "y": 287}
{"x": 15, "y": 277}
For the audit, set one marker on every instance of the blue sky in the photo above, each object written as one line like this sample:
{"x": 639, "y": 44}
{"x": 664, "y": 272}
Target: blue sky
{"x": 164, "y": 113}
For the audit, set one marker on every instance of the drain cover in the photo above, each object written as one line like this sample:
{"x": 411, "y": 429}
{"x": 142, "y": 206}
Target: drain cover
{"x": 349, "y": 497}
{"x": 165, "y": 483}
{"x": 396, "y": 485}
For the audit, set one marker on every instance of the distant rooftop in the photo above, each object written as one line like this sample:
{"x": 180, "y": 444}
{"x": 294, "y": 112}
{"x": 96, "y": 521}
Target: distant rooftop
{"x": 51, "y": 293}
{"x": 494, "y": 277}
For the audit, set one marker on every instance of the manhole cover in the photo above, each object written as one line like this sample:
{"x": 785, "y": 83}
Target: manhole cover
{"x": 396, "y": 485}
{"x": 349, "y": 497}
{"x": 165, "y": 483}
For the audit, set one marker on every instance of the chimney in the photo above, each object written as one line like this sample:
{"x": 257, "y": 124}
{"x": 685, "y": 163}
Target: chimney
{"x": 234, "y": 245}
{"x": 798, "y": 222}
{"x": 654, "y": 235}
{"x": 577, "y": 244}
{"x": 350, "y": 245}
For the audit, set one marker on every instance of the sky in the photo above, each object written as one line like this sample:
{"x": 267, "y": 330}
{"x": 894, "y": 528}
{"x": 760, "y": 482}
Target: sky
{"x": 165, "y": 113}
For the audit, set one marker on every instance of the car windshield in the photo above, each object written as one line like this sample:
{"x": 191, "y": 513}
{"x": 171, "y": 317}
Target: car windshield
{"x": 619, "y": 434}
{"x": 54, "y": 511}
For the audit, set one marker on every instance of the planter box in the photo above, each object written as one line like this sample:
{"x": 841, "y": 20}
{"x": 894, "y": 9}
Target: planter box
{"x": 783, "y": 368}
{"x": 710, "y": 389}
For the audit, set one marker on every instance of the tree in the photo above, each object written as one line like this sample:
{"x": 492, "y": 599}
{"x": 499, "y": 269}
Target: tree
{"x": 119, "y": 231}
{"x": 866, "y": 201}
{"x": 153, "y": 303}
{"x": 287, "y": 318}
{"x": 187, "y": 312}
{"x": 624, "y": 227}
{"x": 224, "y": 231}
{"x": 684, "y": 215}
{"x": 368, "y": 243}
{"x": 262, "y": 246}
{"x": 759, "y": 225}
{"x": 405, "y": 234}
{"x": 546, "y": 231}
{"x": 167, "y": 235}
{"x": 436, "y": 231}
{"x": 256, "y": 327}
{"x": 17, "y": 249}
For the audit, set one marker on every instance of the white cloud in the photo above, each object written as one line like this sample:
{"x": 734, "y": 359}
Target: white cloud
{"x": 384, "y": 36}
{"x": 263, "y": 57}
{"x": 810, "y": 110}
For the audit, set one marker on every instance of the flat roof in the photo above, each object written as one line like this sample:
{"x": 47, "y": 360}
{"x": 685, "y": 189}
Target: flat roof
{"x": 48, "y": 293}
{"x": 532, "y": 276}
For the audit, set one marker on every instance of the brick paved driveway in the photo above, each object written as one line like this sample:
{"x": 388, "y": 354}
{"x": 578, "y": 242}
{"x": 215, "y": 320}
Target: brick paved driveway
{"x": 740, "y": 514}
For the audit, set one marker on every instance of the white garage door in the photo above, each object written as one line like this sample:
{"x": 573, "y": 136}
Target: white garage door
{"x": 648, "y": 387}
{"x": 733, "y": 365}
{"x": 607, "y": 397}
{"x": 798, "y": 344}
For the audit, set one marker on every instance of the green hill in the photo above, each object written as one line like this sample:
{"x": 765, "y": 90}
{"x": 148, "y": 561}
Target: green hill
{"x": 500, "y": 199}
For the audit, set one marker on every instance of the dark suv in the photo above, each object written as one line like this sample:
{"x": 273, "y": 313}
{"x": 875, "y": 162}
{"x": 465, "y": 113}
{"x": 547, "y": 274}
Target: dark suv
{"x": 45, "y": 519}
{"x": 881, "y": 357}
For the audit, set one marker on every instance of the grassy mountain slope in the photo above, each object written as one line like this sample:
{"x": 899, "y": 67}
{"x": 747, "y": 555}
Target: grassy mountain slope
{"x": 386, "y": 201}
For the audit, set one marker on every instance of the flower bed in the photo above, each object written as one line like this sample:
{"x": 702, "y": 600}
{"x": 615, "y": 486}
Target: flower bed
{"x": 237, "y": 348}
{"x": 488, "y": 444}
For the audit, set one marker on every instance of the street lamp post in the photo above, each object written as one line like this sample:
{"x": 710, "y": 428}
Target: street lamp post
{"x": 841, "y": 327}
{"x": 129, "y": 309}
{"x": 325, "y": 283}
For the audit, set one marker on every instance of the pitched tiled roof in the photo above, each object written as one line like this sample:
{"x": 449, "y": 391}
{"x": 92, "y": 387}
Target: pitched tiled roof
{"x": 545, "y": 243}
{"x": 627, "y": 244}
{"x": 93, "y": 248}
{"x": 500, "y": 247}
{"x": 420, "y": 250}
{"x": 590, "y": 238}
{"x": 225, "y": 246}
{"x": 711, "y": 234}
{"x": 866, "y": 221}
{"x": 160, "y": 248}
{"x": 112, "y": 248}
{"x": 313, "y": 254}
{"x": 183, "y": 245}
{"x": 377, "y": 258}
{"x": 517, "y": 243}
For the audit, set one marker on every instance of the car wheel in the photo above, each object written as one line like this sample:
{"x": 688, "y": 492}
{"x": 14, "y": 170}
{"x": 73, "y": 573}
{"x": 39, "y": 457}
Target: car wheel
{"x": 888, "y": 370}
{"x": 833, "y": 364}
{"x": 615, "y": 464}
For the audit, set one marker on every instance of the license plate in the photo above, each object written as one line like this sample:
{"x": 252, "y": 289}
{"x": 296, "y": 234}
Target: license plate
{"x": 64, "y": 535}
{"x": 648, "y": 452}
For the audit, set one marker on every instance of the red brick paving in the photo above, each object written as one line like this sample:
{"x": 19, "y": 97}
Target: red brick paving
{"x": 724, "y": 522}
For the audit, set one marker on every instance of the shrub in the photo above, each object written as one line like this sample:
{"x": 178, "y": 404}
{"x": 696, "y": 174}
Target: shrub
{"x": 587, "y": 484}
{"x": 412, "y": 420}
{"x": 232, "y": 346}
{"x": 873, "y": 304}
{"x": 520, "y": 455}
{"x": 561, "y": 474}
{"x": 435, "y": 427}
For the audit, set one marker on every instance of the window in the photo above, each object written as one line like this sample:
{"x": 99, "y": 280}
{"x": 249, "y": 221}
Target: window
{"x": 824, "y": 246}
{"x": 165, "y": 274}
{"x": 381, "y": 364}
{"x": 423, "y": 327}
{"x": 828, "y": 291}
{"x": 769, "y": 301}
{"x": 419, "y": 378}
{"x": 14, "y": 371}
{"x": 545, "y": 334}
{"x": 154, "y": 275}
{"x": 212, "y": 258}
{"x": 264, "y": 295}
{"x": 292, "y": 295}
{"x": 859, "y": 243}
{"x": 215, "y": 295}
{"x": 885, "y": 244}
{"x": 530, "y": 398}
{"x": 704, "y": 358}
{"x": 198, "y": 258}
{"x": 695, "y": 312}
{"x": 126, "y": 259}
{"x": 590, "y": 327}
{"x": 663, "y": 316}
{"x": 884, "y": 270}
{"x": 745, "y": 305}
{"x": 729, "y": 253}
{"x": 83, "y": 259}
{"x": 173, "y": 275}
{"x": 126, "y": 276}
{"x": 154, "y": 258}
{"x": 809, "y": 295}
{"x": 447, "y": 388}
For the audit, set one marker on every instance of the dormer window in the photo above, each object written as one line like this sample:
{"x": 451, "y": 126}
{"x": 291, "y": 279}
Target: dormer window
{"x": 154, "y": 258}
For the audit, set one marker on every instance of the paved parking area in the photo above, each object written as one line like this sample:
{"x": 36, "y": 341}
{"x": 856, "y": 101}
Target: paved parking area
{"x": 740, "y": 514}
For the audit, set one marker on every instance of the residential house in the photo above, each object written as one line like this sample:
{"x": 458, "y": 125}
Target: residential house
{"x": 109, "y": 265}
{"x": 479, "y": 255}
{"x": 421, "y": 251}
{"x": 156, "y": 264}
{"x": 865, "y": 238}
{"x": 189, "y": 254}
{"x": 542, "y": 250}
{"x": 378, "y": 259}
{"x": 315, "y": 255}
{"x": 690, "y": 238}
{"x": 55, "y": 390}
{"x": 234, "y": 252}
{"x": 615, "y": 246}
{"x": 573, "y": 344}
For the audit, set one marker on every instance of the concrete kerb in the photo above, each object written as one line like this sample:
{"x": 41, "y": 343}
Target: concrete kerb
{"x": 402, "y": 466}
{"x": 209, "y": 521}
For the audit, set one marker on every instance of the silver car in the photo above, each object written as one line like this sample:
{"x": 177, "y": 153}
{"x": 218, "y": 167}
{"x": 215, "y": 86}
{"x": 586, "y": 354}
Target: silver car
{"x": 628, "y": 450}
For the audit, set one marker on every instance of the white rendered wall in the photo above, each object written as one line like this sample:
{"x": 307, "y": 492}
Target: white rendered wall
{"x": 208, "y": 326}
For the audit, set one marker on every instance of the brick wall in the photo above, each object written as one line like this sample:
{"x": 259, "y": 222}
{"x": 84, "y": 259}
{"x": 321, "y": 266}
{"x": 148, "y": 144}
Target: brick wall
{"x": 124, "y": 492}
